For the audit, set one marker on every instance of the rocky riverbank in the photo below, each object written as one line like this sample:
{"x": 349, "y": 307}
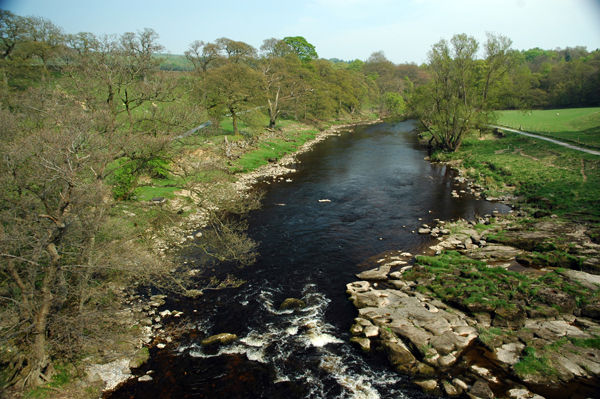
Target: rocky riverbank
{"x": 505, "y": 306}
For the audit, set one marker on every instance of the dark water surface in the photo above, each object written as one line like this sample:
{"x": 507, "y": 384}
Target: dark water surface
{"x": 378, "y": 186}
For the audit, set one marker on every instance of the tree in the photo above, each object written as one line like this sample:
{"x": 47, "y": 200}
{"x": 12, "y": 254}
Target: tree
{"x": 448, "y": 105}
{"x": 55, "y": 254}
{"x": 127, "y": 76}
{"x": 394, "y": 104}
{"x": 272, "y": 48}
{"x": 303, "y": 49}
{"x": 12, "y": 31}
{"x": 283, "y": 80}
{"x": 391, "y": 80}
{"x": 456, "y": 99}
{"x": 232, "y": 88}
{"x": 498, "y": 61}
{"x": 236, "y": 51}
{"x": 202, "y": 55}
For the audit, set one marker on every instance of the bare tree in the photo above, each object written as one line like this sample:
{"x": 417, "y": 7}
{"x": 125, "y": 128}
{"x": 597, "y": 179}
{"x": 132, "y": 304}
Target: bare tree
{"x": 202, "y": 55}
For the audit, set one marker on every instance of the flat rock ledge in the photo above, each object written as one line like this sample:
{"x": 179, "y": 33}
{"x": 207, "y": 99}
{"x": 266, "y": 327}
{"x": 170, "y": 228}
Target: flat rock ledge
{"x": 454, "y": 352}
{"x": 441, "y": 347}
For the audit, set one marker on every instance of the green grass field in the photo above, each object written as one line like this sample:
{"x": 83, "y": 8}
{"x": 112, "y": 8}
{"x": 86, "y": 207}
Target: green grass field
{"x": 544, "y": 175}
{"x": 575, "y": 125}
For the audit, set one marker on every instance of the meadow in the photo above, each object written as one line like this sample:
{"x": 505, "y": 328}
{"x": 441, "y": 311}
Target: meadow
{"x": 579, "y": 126}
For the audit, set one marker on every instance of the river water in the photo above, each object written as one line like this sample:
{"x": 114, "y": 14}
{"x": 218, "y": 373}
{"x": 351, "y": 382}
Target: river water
{"x": 375, "y": 190}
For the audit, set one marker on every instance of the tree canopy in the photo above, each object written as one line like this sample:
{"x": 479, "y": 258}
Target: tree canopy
{"x": 303, "y": 49}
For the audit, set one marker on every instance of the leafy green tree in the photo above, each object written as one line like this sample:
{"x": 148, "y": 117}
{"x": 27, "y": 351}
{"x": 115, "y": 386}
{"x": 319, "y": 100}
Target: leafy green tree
{"x": 236, "y": 51}
{"x": 448, "y": 106}
{"x": 232, "y": 89}
{"x": 303, "y": 49}
{"x": 12, "y": 31}
{"x": 459, "y": 96}
{"x": 498, "y": 61}
{"x": 283, "y": 83}
{"x": 394, "y": 104}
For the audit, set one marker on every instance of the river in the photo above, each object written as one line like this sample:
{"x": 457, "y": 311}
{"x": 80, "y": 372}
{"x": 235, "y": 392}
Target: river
{"x": 354, "y": 196}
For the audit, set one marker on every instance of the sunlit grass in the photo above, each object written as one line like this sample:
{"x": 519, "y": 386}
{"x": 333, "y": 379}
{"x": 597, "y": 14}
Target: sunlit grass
{"x": 543, "y": 174}
{"x": 576, "y": 125}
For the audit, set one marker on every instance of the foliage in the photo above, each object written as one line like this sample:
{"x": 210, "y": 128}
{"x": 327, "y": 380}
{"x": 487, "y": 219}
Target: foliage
{"x": 84, "y": 116}
{"x": 301, "y": 47}
{"x": 456, "y": 99}
{"x": 556, "y": 78}
{"x": 232, "y": 88}
{"x": 394, "y": 104}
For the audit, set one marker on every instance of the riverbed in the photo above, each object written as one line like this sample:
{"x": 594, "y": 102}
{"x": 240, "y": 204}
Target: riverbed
{"x": 354, "y": 196}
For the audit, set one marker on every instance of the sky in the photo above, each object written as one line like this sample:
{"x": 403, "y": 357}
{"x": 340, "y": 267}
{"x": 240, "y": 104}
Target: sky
{"x": 404, "y": 30}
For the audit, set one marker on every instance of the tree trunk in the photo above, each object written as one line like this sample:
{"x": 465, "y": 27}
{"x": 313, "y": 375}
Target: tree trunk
{"x": 39, "y": 359}
{"x": 273, "y": 109}
{"x": 129, "y": 116}
{"x": 234, "y": 121}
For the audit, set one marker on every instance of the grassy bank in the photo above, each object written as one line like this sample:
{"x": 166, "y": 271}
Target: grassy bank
{"x": 576, "y": 125}
{"x": 542, "y": 175}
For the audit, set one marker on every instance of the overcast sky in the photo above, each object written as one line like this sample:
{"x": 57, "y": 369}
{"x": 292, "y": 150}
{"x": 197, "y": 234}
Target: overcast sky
{"x": 345, "y": 29}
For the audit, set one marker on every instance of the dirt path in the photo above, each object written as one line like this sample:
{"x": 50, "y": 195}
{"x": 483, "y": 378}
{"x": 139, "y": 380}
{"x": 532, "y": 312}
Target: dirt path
{"x": 571, "y": 146}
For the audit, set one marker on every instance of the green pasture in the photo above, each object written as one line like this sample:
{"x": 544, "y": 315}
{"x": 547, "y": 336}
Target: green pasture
{"x": 575, "y": 125}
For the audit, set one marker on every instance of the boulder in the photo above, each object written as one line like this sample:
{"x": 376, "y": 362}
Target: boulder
{"x": 554, "y": 297}
{"x": 363, "y": 343}
{"x": 494, "y": 252}
{"x": 140, "y": 357}
{"x": 542, "y": 311}
{"x": 443, "y": 344}
{"x": 512, "y": 317}
{"x": 592, "y": 310}
{"x": 484, "y": 373}
{"x": 509, "y": 353}
{"x": 356, "y": 329}
{"x": 522, "y": 393}
{"x": 292, "y": 303}
{"x": 357, "y": 286}
{"x": 429, "y": 386}
{"x": 219, "y": 339}
{"x": 377, "y": 274}
{"x": 362, "y": 322}
{"x": 369, "y": 299}
{"x": 396, "y": 275}
{"x": 460, "y": 384}
{"x": 481, "y": 389}
{"x": 450, "y": 389}
{"x": 371, "y": 331}
{"x": 590, "y": 281}
{"x": 399, "y": 355}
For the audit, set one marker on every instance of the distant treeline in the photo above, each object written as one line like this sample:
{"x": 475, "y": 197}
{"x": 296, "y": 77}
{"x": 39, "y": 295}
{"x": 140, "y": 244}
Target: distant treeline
{"x": 559, "y": 78}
